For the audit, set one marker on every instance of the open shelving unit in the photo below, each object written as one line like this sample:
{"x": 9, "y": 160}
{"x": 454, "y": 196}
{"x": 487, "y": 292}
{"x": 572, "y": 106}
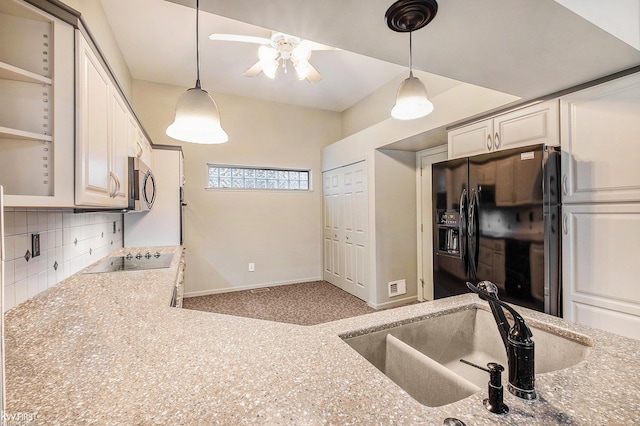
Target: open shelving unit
{"x": 36, "y": 105}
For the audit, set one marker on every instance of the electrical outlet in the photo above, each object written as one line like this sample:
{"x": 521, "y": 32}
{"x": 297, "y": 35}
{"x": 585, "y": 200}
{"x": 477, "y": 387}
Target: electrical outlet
{"x": 252, "y": 267}
{"x": 35, "y": 245}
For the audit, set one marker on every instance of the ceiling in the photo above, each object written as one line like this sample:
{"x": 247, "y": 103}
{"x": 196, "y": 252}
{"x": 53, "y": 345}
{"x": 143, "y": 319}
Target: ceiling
{"x": 524, "y": 48}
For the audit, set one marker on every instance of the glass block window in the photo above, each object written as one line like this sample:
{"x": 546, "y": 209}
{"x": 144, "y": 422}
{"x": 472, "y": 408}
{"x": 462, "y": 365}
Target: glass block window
{"x": 243, "y": 177}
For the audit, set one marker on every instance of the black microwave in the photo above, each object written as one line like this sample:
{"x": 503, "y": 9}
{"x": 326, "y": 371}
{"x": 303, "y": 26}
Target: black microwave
{"x": 142, "y": 186}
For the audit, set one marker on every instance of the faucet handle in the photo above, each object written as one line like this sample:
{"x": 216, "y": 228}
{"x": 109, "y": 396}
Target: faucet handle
{"x": 489, "y": 288}
{"x": 520, "y": 331}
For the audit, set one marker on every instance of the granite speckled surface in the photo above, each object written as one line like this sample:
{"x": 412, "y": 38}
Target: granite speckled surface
{"x": 107, "y": 349}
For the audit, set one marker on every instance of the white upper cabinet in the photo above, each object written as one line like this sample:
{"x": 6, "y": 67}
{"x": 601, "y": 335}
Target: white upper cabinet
{"x": 526, "y": 126}
{"x": 139, "y": 145}
{"x": 102, "y": 135}
{"x": 473, "y": 139}
{"x": 600, "y": 142}
{"x": 36, "y": 107}
{"x": 118, "y": 143}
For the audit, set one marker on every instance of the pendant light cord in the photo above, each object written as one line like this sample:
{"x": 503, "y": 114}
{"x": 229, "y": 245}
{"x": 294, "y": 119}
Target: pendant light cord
{"x": 198, "y": 86}
{"x": 410, "y": 54}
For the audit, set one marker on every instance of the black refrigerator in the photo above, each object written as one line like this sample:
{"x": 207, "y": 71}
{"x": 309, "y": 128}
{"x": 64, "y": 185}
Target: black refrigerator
{"x": 497, "y": 217}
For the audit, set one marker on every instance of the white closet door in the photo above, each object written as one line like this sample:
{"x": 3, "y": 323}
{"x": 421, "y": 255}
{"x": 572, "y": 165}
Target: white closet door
{"x": 331, "y": 228}
{"x": 345, "y": 228}
{"x": 354, "y": 193}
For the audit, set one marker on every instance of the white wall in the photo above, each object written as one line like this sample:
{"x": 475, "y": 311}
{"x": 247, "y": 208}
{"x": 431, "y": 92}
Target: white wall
{"x": 395, "y": 224}
{"x": 279, "y": 231}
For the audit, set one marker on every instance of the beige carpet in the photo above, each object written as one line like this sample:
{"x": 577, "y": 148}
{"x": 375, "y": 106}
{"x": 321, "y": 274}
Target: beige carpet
{"x": 303, "y": 304}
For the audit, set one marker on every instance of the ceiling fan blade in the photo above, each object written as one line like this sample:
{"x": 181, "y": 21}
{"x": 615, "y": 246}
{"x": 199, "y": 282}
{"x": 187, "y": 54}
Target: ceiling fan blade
{"x": 237, "y": 37}
{"x": 254, "y": 70}
{"x": 313, "y": 76}
{"x": 312, "y": 45}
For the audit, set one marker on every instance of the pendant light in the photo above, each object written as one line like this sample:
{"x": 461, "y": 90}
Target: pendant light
{"x": 197, "y": 118}
{"x": 407, "y": 16}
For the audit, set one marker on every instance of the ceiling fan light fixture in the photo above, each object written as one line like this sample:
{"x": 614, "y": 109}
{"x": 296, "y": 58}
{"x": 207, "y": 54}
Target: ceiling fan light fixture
{"x": 197, "y": 119}
{"x": 267, "y": 56}
{"x": 303, "y": 69}
{"x": 301, "y": 53}
{"x": 412, "y": 100}
{"x": 267, "y": 53}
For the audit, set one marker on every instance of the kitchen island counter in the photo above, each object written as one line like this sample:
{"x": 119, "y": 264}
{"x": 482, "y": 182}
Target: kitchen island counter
{"x": 108, "y": 349}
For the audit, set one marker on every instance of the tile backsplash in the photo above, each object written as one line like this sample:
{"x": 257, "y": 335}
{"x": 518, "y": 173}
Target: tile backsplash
{"x": 68, "y": 242}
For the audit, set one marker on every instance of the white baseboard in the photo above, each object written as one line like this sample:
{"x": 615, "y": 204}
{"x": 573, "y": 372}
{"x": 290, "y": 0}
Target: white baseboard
{"x": 393, "y": 303}
{"x": 248, "y": 287}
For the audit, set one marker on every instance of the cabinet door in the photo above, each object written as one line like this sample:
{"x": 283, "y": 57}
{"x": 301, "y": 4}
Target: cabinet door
{"x": 135, "y": 150}
{"x": 147, "y": 151}
{"x": 94, "y": 184}
{"x": 600, "y": 134}
{"x": 118, "y": 147}
{"x": 527, "y": 126}
{"x": 469, "y": 140}
{"x": 600, "y": 266}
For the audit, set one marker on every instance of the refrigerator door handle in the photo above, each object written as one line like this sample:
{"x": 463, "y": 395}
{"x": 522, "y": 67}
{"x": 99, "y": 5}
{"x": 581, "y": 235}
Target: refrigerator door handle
{"x": 462, "y": 229}
{"x": 472, "y": 232}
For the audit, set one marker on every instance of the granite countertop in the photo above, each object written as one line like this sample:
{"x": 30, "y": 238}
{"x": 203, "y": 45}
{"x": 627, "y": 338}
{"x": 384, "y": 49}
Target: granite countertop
{"x": 108, "y": 349}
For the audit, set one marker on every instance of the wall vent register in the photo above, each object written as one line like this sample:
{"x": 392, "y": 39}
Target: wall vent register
{"x": 130, "y": 262}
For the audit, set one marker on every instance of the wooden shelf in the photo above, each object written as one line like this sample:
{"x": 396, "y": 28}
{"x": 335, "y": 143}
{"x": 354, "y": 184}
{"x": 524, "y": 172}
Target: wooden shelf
{"x": 9, "y": 72}
{"x": 8, "y": 133}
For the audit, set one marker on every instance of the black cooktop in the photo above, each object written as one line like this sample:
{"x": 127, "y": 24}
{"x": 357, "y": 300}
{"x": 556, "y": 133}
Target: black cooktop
{"x": 130, "y": 262}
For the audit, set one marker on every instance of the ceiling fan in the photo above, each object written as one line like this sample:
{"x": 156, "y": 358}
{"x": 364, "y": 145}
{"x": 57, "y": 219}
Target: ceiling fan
{"x": 276, "y": 51}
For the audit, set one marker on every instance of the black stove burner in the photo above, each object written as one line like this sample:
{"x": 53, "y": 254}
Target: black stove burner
{"x": 129, "y": 262}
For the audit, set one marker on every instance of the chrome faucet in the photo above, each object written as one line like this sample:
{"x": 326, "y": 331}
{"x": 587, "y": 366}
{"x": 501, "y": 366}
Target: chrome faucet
{"x": 517, "y": 341}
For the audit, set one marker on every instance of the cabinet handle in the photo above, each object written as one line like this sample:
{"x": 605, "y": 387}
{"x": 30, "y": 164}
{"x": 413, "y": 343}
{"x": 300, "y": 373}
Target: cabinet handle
{"x": 117, "y": 186}
{"x": 565, "y": 188}
{"x": 116, "y": 181}
{"x": 496, "y": 141}
{"x": 489, "y": 144}
{"x": 112, "y": 179}
{"x": 565, "y": 224}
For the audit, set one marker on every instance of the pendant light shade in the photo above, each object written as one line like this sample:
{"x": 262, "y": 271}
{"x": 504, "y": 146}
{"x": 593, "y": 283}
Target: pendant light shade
{"x": 406, "y": 16}
{"x": 411, "y": 101}
{"x": 197, "y": 119}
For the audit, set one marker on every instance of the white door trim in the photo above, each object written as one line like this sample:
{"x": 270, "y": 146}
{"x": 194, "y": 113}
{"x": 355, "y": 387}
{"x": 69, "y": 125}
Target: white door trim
{"x": 423, "y": 223}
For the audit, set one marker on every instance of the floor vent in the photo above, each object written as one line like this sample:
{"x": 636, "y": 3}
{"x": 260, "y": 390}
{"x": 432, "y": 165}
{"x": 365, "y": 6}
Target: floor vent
{"x": 260, "y": 290}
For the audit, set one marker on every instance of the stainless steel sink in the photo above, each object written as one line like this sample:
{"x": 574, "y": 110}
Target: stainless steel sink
{"x": 423, "y": 357}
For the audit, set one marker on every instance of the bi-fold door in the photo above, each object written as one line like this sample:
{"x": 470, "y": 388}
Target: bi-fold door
{"x": 345, "y": 223}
